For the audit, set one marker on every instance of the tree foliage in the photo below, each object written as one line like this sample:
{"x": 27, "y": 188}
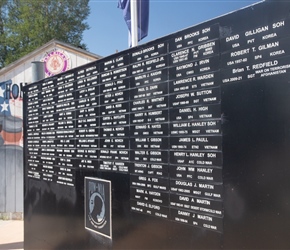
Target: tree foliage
{"x": 28, "y": 24}
{"x": 3, "y": 5}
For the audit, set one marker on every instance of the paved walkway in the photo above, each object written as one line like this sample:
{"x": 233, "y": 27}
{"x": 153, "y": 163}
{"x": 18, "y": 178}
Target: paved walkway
{"x": 11, "y": 234}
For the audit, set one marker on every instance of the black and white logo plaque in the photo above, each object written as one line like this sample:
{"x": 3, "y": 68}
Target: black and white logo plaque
{"x": 98, "y": 206}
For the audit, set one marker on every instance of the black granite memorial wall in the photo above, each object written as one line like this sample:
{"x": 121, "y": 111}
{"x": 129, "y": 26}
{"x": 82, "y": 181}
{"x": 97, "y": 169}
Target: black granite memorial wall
{"x": 181, "y": 143}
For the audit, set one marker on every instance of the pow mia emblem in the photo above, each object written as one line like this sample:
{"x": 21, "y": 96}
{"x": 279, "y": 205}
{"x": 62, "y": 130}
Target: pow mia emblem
{"x": 97, "y": 209}
{"x": 98, "y": 206}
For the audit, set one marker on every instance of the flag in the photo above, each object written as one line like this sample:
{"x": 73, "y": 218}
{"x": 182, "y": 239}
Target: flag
{"x": 142, "y": 16}
{"x": 4, "y": 98}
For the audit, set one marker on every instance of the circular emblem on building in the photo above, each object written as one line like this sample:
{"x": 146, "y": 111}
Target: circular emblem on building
{"x": 56, "y": 61}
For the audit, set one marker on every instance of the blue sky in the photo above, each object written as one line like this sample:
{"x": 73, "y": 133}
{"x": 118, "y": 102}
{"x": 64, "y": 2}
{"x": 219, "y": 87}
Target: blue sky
{"x": 108, "y": 31}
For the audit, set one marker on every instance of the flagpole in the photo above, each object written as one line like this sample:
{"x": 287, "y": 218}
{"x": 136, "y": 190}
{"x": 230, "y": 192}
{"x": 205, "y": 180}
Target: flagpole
{"x": 134, "y": 23}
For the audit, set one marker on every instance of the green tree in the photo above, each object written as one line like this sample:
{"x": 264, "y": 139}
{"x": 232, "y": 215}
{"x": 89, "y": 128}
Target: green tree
{"x": 32, "y": 23}
{"x": 3, "y": 51}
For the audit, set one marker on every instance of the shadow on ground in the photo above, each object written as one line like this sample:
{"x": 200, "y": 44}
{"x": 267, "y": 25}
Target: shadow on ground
{"x": 14, "y": 245}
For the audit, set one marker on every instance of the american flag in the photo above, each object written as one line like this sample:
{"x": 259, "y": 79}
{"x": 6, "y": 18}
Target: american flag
{"x": 4, "y": 98}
